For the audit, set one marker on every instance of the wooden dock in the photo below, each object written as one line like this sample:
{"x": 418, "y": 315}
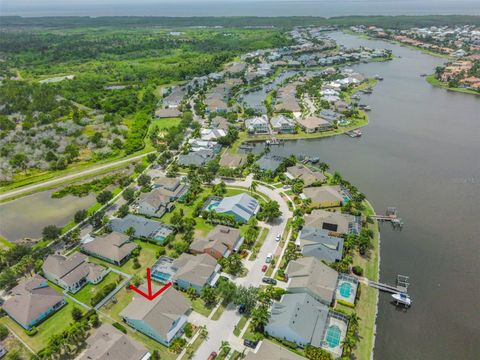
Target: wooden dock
{"x": 402, "y": 285}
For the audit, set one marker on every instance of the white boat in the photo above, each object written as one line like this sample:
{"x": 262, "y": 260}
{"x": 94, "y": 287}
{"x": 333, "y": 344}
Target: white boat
{"x": 402, "y": 298}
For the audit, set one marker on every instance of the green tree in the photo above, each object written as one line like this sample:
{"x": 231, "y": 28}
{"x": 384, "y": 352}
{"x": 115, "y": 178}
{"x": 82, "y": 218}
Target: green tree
{"x": 76, "y": 314}
{"x": 123, "y": 210}
{"x": 51, "y": 232}
{"x": 19, "y": 161}
{"x": 259, "y": 318}
{"x": 128, "y": 194}
{"x": 104, "y": 197}
{"x": 270, "y": 210}
{"x": 3, "y": 332}
{"x": 227, "y": 290}
{"x": 144, "y": 180}
{"x": 80, "y": 215}
{"x": 209, "y": 295}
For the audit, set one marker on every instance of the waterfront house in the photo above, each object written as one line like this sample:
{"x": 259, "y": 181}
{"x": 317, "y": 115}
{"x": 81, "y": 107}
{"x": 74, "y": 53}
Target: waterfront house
{"x": 309, "y": 275}
{"x": 305, "y": 174}
{"x": 109, "y": 343}
{"x": 200, "y": 145}
{"x": 298, "y": 318}
{"x": 195, "y": 271}
{"x": 282, "y": 124}
{"x": 331, "y": 115}
{"x": 270, "y": 162}
{"x": 242, "y": 207}
{"x": 220, "y": 242}
{"x": 320, "y": 244}
{"x": 32, "y": 301}
{"x": 72, "y": 272}
{"x": 143, "y": 228}
{"x": 313, "y": 124}
{"x": 154, "y": 203}
{"x": 333, "y": 221}
{"x": 196, "y": 158}
{"x": 232, "y": 160}
{"x": 268, "y": 350}
{"x": 326, "y": 196}
{"x": 211, "y": 134}
{"x": 162, "y": 318}
{"x": 257, "y": 125}
{"x": 114, "y": 248}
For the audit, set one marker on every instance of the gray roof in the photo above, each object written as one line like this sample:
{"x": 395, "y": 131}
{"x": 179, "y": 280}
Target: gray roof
{"x": 302, "y": 314}
{"x": 196, "y": 158}
{"x": 143, "y": 227}
{"x": 114, "y": 246}
{"x": 324, "y": 193}
{"x": 159, "y": 313}
{"x": 31, "y": 298}
{"x": 311, "y": 273}
{"x": 71, "y": 269}
{"x": 278, "y": 121}
{"x": 242, "y": 204}
{"x": 108, "y": 343}
{"x": 320, "y": 244}
{"x": 304, "y": 173}
{"x": 232, "y": 160}
{"x": 220, "y": 238}
{"x": 271, "y": 351}
{"x": 269, "y": 162}
{"x": 194, "y": 269}
{"x": 332, "y": 221}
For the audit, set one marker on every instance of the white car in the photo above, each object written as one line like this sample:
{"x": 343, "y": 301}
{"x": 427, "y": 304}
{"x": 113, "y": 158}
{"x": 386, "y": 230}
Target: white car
{"x": 277, "y": 239}
{"x": 269, "y": 258}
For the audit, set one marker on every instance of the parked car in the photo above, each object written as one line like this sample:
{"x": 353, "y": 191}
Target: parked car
{"x": 264, "y": 267}
{"x": 241, "y": 308}
{"x": 212, "y": 356}
{"x": 250, "y": 343}
{"x": 277, "y": 239}
{"x": 269, "y": 258}
{"x": 270, "y": 281}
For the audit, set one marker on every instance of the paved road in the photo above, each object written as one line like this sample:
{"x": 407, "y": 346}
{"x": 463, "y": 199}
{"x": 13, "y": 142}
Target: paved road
{"x": 59, "y": 180}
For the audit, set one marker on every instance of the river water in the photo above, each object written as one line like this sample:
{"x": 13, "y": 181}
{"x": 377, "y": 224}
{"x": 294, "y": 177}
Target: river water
{"x": 419, "y": 153}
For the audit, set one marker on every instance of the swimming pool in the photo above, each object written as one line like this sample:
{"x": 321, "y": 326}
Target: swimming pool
{"x": 332, "y": 337}
{"x": 212, "y": 206}
{"x": 345, "y": 290}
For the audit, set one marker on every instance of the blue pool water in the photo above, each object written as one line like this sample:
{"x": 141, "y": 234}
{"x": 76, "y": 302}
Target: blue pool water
{"x": 345, "y": 289}
{"x": 213, "y": 206}
{"x": 333, "y": 336}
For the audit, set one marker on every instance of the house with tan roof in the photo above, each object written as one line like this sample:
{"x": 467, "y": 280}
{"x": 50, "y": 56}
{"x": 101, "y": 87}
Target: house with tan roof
{"x": 305, "y": 174}
{"x": 232, "y": 160}
{"x": 72, "y": 272}
{"x": 326, "y": 196}
{"x": 162, "y": 318}
{"x": 196, "y": 272}
{"x": 313, "y": 124}
{"x": 309, "y": 275}
{"x": 271, "y": 351}
{"x": 114, "y": 248}
{"x": 32, "y": 301}
{"x": 220, "y": 242}
{"x": 108, "y": 343}
{"x": 333, "y": 221}
{"x": 154, "y": 203}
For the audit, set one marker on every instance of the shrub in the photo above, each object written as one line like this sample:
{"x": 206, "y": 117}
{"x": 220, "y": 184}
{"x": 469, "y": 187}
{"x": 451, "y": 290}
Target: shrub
{"x": 357, "y": 270}
{"x": 3, "y": 332}
{"x": 345, "y": 303}
{"x": 188, "y": 330}
{"x": 119, "y": 327}
{"x": 101, "y": 294}
{"x": 32, "y": 331}
{"x": 76, "y": 314}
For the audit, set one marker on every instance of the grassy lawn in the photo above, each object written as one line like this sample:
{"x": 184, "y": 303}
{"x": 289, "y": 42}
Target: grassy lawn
{"x": 114, "y": 307}
{"x": 147, "y": 258}
{"x": 258, "y": 243}
{"x": 366, "y": 306}
{"x": 4, "y": 243}
{"x": 89, "y": 290}
{"x": 55, "y": 324}
{"x": 198, "y": 305}
{"x": 218, "y": 313}
{"x": 240, "y": 325}
{"x": 14, "y": 346}
{"x": 192, "y": 348}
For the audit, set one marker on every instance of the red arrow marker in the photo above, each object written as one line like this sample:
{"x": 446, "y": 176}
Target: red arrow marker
{"x": 150, "y": 296}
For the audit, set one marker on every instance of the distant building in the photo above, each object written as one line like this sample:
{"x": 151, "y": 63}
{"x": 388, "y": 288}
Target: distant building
{"x": 241, "y": 206}
{"x": 108, "y": 343}
{"x": 144, "y": 228}
{"x": 219, "y": 242}
{"x": 310, "y": 275}
{"x": 114, "y": 248}
{"x": 257, "y": 125}
{"x": 320, "y": 244}
{"x": 333, "y": 221}
{"x": 32, "y": 301}
{"x": 162, "y": 318}
{"x": 72, "y": 272}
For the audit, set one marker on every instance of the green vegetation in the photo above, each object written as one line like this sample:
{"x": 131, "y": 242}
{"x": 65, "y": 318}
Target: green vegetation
{"x": 92, "y": 294}
{"x": 435, "y": 82}
{"x": 84, "y": 189}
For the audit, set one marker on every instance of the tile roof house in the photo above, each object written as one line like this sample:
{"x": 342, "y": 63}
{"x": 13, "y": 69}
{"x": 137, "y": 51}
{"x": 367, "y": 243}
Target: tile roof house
{"x": 305, "y": 174}
{"x": 196, "y": 158}
{"x": 271, "y": 351}
{"x": 241, "y": 206}
{"x": 333, "y": 221}
{"x": 162, "y": 318}
{"x": 232, "y": 160}
{"x": 309, "y": 275}
{"x": 154, "y": 203}
{"x": 32, "y": 301}
{"x": 257, "y": 125}
{"x": 219, "y": 242}
{"x": 72, "y": 272}
{"x": 326, "y": 196}
{"x": 144, "y": 228}
{"x": 173, "y": 188}
{"x": 282, "y": 124}
{"x": 171, "y": 112}
{"x": 320, "y": 244}
{"x": 298, "y": 318}
{"x": 192, "y": 271}
{"x": 219, "y": 122}
{"x": 212, "y": 134}
{"x": 114, "y": 248}
{"x": 270, "y": 162}
{"x": 313, "y": 124}
{"x": 108, "y": 343}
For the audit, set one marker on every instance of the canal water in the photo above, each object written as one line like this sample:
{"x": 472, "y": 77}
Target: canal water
{"x": 419, "y": 153}
{"x": 26, "y": 217}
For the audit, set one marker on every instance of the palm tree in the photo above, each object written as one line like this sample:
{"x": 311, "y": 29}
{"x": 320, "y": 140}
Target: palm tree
{"x": 225, "y": 347}
{"x": 253, "y": 187}
{"x": 259, "y": 317}
{"x": 348, "y": 344}
{"x": 323, "y": 166}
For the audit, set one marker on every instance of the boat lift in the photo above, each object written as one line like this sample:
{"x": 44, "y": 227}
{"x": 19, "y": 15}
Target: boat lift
{"x": 391, "y": 216}
{"x": 399, "y": 291}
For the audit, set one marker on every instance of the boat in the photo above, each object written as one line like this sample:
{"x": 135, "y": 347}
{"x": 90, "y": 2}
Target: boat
{"x": 367, "y": 108}
{"x": 354, "y": 133}
{"x": 314, "y": 160}
{"x": 378, "y": 77}
{"x": 367, "y": 91}
{"x": 272, "y": 141}
{"x": 423, "y": 75}
{"x": 402, "y": 298}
